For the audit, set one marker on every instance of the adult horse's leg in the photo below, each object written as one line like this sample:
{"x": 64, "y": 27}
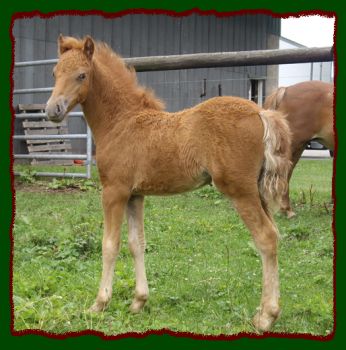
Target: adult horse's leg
{"x": 265, "y": 235}
{"x": 114, "y": 203}
{"x": 286, "y": 207}
{"x": 135, "y": 217}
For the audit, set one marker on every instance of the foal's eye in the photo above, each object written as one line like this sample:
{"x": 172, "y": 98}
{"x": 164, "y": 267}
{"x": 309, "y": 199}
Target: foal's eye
{"x": 81, "y": 76}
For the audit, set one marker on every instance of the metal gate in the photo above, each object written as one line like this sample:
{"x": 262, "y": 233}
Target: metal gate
{"x": 88, "y": 136}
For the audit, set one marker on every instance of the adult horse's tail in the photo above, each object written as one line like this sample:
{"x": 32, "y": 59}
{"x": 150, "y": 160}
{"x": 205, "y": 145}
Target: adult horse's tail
{"x": 273, "y": 101}
{"x": 272, "y": 182}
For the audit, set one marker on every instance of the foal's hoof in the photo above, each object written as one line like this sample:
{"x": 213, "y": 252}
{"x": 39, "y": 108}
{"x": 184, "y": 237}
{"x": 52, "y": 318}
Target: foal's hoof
{"x": 263, "y": 322}
{"x": 137, "y": 306}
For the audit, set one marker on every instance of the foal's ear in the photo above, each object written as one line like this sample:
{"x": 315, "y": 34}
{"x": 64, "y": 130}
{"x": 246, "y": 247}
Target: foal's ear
{"x": 63, "y": 45}
{"x": 88, "y": 48}
{"x": 66, "y": 43}
{"x": 61, "y": 49}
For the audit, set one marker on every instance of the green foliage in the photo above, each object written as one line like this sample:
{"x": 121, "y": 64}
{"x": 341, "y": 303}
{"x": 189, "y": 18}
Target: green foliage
{"x": 27, "y": 176}
{"x": 60, "y": 184}
{"x": 209, "y": 192}
{"x": 203, "y": 269}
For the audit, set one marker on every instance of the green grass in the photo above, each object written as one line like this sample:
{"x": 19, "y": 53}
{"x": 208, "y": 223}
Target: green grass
{"x": 203, "y": 270}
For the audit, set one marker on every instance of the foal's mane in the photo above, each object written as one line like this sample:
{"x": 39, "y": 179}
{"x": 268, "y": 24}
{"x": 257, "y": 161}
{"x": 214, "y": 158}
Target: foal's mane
{"x": 117, "y": 72}
{"x": 126, "y": 75}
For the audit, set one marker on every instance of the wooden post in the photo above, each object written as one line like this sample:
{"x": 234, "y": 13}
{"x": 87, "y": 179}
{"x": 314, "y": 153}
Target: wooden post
{"x": 231, "y": 59}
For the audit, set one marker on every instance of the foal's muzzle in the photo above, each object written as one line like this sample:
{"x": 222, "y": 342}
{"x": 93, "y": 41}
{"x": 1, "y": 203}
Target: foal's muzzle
{"x": 56, "y": 109}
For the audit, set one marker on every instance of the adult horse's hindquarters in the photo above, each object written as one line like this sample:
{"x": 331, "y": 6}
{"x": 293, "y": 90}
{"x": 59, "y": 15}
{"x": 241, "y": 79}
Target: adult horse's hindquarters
{"x": 309, "y": 110}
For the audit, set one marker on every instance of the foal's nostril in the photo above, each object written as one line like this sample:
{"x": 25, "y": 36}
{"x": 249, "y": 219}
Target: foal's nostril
{"x": 58, "y": 109}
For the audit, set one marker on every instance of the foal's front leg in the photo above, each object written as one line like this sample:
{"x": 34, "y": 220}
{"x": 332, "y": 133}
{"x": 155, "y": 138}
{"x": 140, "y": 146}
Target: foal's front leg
{"x": 135, "y": 209}
{"x": 114, "y": 203}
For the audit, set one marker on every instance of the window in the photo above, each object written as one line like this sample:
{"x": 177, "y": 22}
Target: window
{"x": 256, "y": 91}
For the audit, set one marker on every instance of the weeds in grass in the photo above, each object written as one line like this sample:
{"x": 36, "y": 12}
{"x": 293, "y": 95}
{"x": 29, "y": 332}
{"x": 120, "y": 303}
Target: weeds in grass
{"x": 297, "y": 231}
{"x": 61, "y": 184}
{"x": 27, "y": 176}
{"x": 209, "y": 192}
{"x": 302, "y": 199}
{"x": 311, "y": 195}
{"x": 326, "y": 207}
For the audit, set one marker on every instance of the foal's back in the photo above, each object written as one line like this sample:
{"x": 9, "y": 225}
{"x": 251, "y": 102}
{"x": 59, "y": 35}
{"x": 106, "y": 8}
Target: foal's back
{"x": 167, "y": 153}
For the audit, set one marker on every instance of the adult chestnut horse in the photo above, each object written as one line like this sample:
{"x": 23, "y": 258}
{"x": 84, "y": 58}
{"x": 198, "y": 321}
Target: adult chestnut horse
{"x": 142, "y": 150}
{"x": 309, "y": 110}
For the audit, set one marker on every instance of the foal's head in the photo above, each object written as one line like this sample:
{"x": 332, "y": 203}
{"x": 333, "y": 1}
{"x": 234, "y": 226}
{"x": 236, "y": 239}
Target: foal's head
{"x": 72, "y": 76}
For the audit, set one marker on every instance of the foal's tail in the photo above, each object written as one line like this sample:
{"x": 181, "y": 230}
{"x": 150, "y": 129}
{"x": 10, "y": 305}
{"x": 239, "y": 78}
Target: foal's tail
{"x": 272, "y": 182}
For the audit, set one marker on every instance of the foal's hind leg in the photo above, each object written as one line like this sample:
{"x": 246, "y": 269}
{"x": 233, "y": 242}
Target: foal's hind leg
{"x": 135, "y": 209}
{"x": 265, "y": 235}
{"x": 114, "y": 203}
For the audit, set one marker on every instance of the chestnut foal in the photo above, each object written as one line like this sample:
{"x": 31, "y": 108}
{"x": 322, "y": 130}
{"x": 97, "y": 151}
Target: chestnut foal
{"x": 142, "y": 150}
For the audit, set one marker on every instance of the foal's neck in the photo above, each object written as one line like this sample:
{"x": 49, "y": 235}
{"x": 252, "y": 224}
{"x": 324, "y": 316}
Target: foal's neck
{"x": 107, "y": 103}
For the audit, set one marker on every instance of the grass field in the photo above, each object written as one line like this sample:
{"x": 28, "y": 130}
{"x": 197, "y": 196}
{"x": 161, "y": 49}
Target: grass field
{"x": 203, "y": 270}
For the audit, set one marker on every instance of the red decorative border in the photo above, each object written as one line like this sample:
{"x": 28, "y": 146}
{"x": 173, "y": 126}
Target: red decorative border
{"x": 21, "y": 15}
